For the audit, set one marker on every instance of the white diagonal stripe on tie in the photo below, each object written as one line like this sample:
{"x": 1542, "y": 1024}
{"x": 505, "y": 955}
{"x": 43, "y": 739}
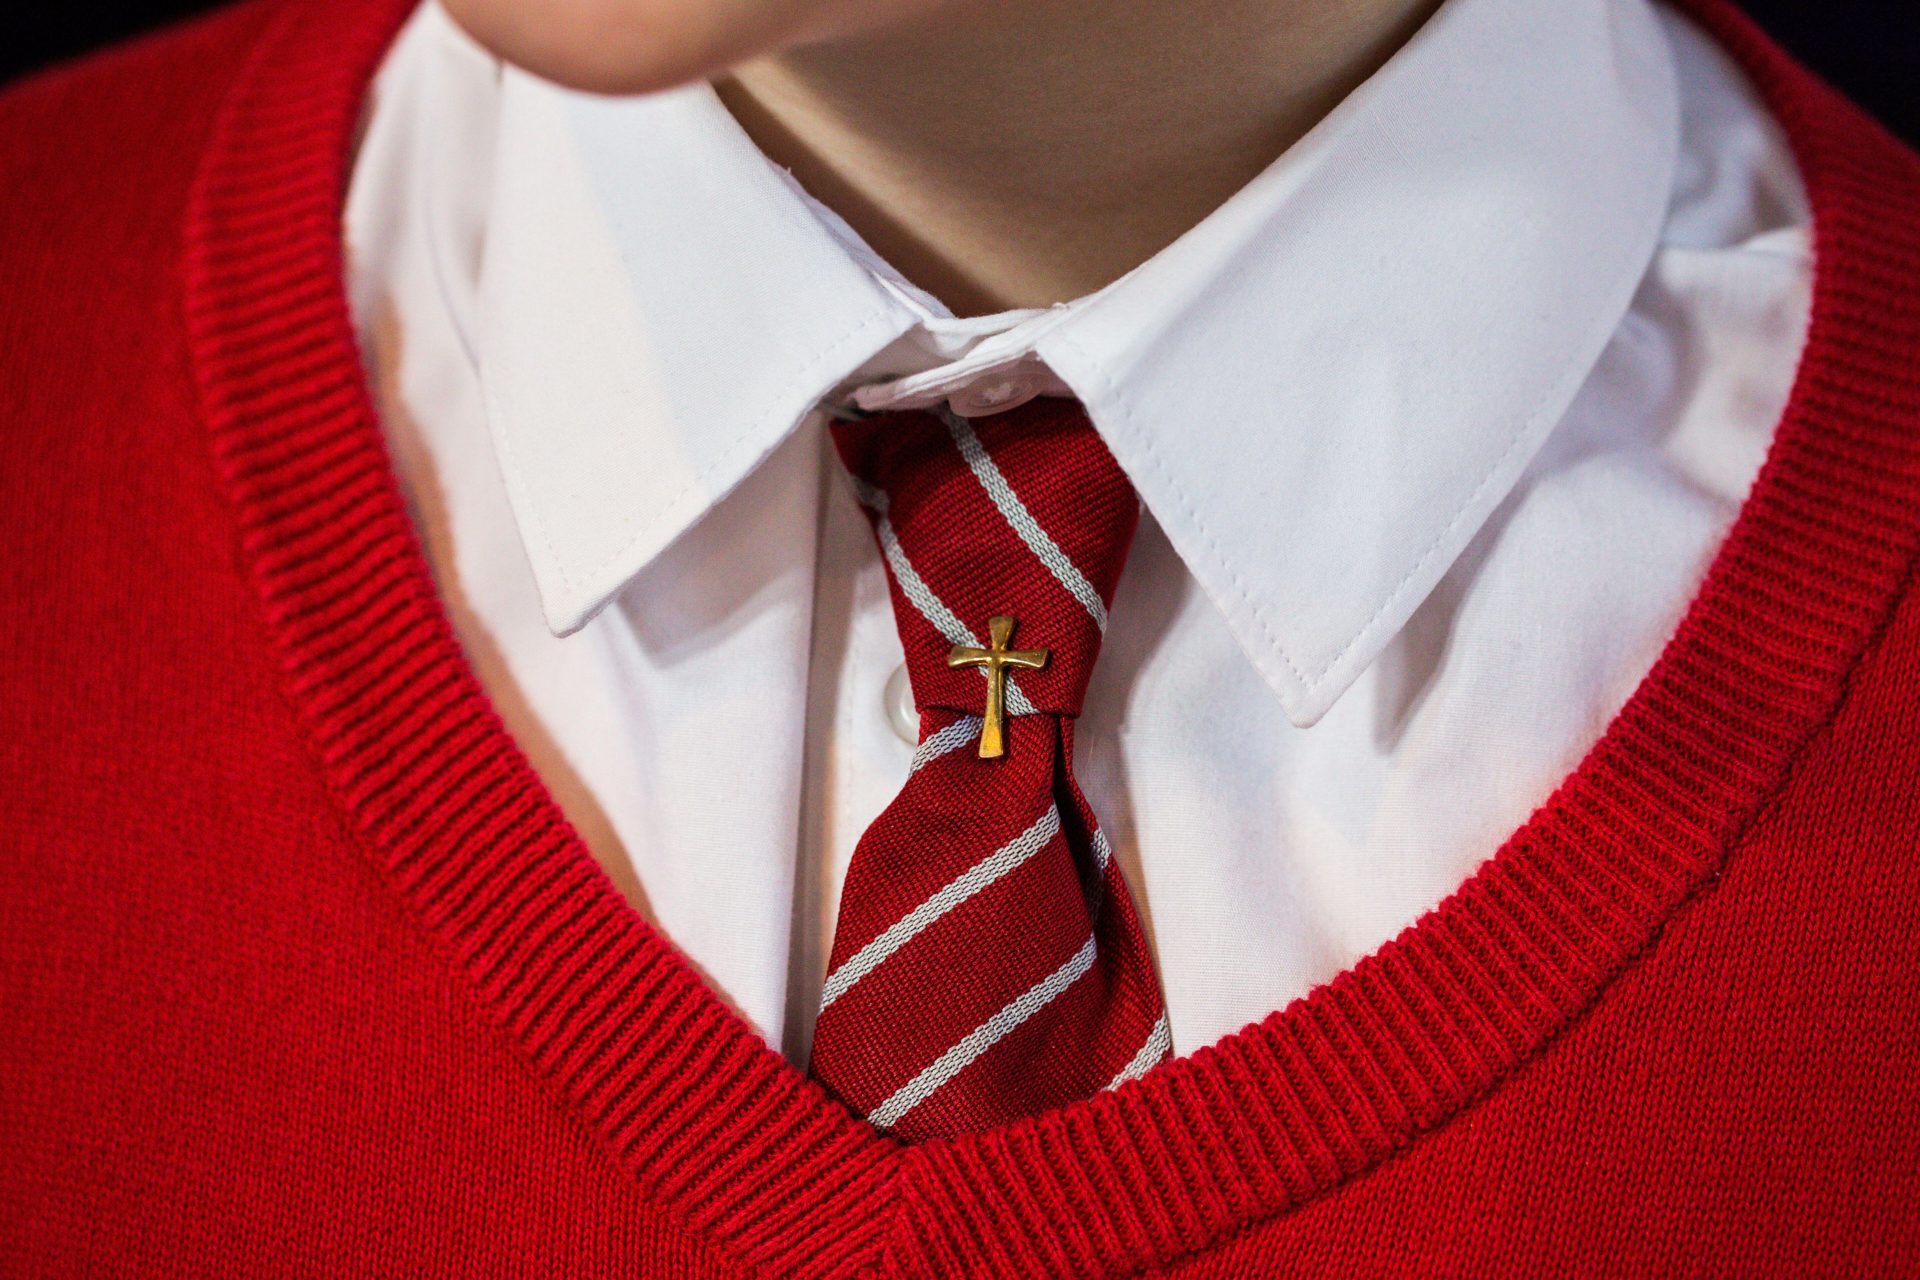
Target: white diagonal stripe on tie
{"x": 952, "y": 894}
{"x": 1159, "y": 1044}
{"x": 962, "y": 732}
{"x": 923, "y": 597}
{"x": 931, "y": 606}
{"x": 872, "y": 497}
{"x": 982, "y": 1038}
{"x": 1102, "y": 856}
{"x": 1044, "y": 548}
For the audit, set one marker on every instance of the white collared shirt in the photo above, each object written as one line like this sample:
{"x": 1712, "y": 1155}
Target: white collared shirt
{"x": 1435, "y": 424}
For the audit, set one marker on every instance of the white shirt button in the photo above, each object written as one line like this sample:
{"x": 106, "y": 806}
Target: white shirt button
{"x": 994, "y": 393}
{"x": 901, "y": 713}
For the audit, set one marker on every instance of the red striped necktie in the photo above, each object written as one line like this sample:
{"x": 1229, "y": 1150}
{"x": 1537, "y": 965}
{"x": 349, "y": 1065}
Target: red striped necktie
{"x": 988, "y": 961}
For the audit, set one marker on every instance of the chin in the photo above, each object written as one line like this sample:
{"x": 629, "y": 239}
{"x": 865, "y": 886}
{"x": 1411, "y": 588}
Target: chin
{"x": 641, "y": 46}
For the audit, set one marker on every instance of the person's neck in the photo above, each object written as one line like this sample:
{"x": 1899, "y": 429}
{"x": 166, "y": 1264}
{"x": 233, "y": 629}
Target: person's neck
{"x": 1009, "y": 155}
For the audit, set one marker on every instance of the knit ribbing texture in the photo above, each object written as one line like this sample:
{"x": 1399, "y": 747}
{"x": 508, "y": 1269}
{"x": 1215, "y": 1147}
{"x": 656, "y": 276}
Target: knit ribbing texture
{"x": 1178, "y": 1169}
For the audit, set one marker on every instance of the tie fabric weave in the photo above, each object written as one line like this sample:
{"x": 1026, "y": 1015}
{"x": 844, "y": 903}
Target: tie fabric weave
{"x": 988, "y": 962}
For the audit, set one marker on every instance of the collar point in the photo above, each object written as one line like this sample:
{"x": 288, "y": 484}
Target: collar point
{"x": 1305, "y": 708}
{"x": 1305, "y": 699}
{"x": 565, "y": 607}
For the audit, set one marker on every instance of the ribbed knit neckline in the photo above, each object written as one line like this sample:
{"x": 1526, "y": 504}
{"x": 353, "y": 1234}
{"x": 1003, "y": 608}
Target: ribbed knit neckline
{"x": 736, "y": 1142}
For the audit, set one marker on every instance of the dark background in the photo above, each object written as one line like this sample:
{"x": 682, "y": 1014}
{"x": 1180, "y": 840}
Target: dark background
{"x": 1871, "y": 50}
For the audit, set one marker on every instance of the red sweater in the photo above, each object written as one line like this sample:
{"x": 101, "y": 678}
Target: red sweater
{"x": 302, "y": 973}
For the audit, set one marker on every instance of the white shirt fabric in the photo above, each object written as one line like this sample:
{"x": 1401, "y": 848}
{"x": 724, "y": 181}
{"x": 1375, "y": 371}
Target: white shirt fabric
{"x": 1435, "y": 424}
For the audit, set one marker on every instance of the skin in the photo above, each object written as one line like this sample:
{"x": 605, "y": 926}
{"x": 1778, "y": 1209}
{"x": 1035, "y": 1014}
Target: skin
{"x": 1000, "y": 153}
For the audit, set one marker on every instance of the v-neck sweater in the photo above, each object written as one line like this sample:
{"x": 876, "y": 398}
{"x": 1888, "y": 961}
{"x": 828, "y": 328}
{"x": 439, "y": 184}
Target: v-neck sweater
{"x": 302, "y": 972}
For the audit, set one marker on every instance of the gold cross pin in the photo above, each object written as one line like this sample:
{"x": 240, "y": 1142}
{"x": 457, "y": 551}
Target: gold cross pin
{"x": 996, "y": 658}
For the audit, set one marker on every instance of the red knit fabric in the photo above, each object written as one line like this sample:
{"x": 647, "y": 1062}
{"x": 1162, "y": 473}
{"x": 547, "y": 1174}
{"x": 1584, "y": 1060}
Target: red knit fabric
{"x": 302, "y": 973}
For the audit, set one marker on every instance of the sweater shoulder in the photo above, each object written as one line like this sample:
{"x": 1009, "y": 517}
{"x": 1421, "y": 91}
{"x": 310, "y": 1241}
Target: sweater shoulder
{"x": 98, "y": 157}
{"x": 102, "y": 462}
{"x": 51, "y": 109}
{"x": 97, "y": 154}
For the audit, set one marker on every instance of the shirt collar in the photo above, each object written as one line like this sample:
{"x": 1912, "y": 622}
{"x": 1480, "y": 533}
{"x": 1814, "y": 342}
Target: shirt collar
{"x": 1390, "y": 319}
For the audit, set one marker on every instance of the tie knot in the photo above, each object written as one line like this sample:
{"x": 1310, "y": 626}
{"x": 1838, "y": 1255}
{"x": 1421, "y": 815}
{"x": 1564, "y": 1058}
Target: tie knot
{"x": 1003, "y": 540}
